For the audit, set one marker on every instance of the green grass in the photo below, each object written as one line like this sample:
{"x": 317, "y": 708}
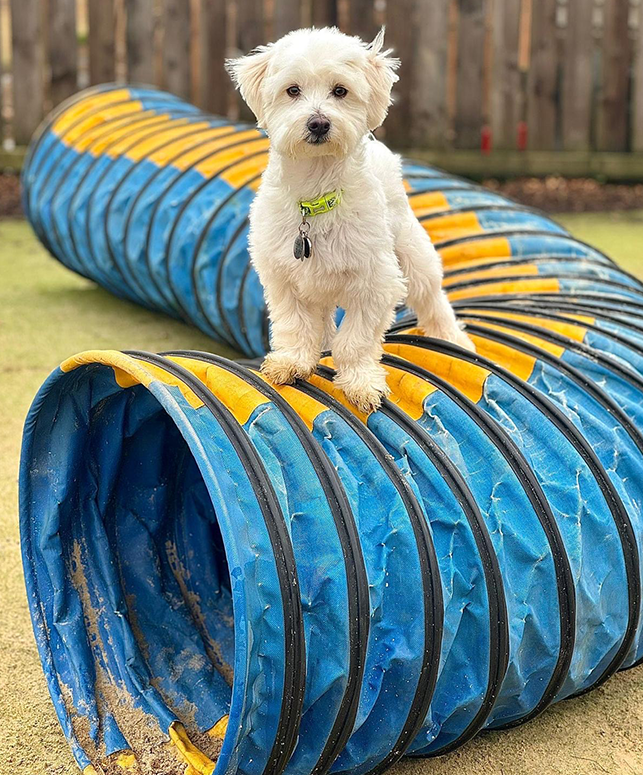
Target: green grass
{"x": 619, "y": 234}
{"x": 47, "y": 314}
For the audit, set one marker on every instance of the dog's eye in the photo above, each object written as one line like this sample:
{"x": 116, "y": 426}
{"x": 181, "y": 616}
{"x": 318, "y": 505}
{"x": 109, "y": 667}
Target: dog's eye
{"x": 340, "y": 92}
{"x": 293, "y": 91}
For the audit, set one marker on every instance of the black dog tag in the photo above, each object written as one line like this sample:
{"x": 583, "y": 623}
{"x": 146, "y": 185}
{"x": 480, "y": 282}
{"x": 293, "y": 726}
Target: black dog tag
{"x": 303, "y": 247}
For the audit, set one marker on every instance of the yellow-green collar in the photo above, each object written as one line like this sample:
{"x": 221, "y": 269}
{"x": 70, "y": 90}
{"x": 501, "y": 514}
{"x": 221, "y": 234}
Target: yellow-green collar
{"x": 323, "y": 204}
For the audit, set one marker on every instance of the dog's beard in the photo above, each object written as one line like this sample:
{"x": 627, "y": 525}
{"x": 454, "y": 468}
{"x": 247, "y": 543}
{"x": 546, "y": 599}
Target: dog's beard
{"x": 296, "y": 142}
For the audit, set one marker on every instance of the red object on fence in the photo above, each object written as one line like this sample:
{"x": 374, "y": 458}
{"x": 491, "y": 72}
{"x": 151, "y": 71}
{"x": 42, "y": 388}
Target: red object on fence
{"x": 486, "y": 140}
{"x": 523, "y": 136}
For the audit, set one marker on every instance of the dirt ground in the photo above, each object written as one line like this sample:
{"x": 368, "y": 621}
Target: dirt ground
{"x": 47, "y": 314}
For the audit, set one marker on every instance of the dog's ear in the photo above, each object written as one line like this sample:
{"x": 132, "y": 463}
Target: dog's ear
{"x": 247, "y": 74}
{"x": 381, "y": 76}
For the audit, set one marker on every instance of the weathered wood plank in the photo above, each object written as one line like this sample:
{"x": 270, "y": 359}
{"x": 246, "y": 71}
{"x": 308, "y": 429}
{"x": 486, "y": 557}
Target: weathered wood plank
{"x": 361, "y": 18}
{"x": 542, "y": 89}
{"x": 63, "y": 50}
{"x": 2, "y": 33}
{"x": 637, "y": 87}
{"x": 250, "y": 33}
{"x": 470, "y": 85}
{"x": 401, "y": 36}
{"x": 28, "y": 67}
{"x": 176, "y": 47}
{"x": 505, "y": 99}
{"x": 139, "y": 34}
{"x": 287, "y": 16}
{"x": 613, "y": 121}
{"x": 324, "y": 13}
{"x": 215, "y": 85}
{"x": 429, "y": 120}
{"x": 102, "y": 41}
{"x": 250, "y": 24}
{"x": 577, "y": 84}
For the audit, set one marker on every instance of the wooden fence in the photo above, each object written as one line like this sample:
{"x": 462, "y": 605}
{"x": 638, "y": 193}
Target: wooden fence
{"x": 509, "y": 74}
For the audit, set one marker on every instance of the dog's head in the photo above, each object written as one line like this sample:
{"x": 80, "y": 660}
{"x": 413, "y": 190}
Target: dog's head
{"x": 317, "y": 92}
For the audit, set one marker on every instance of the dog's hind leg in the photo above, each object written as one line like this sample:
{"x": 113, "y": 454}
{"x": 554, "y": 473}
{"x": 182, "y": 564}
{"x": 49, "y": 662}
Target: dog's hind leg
{"x": 296, "y": 337}
{"x": 357, "y": 348}
{"x": 422, "y": 266}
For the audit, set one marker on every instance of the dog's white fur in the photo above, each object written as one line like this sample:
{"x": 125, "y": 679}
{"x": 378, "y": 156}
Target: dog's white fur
{"x": 370, "y": 253}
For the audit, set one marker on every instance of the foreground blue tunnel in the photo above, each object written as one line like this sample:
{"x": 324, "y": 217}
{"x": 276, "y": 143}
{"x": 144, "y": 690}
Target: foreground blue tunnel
{"x": 227, "y": 576}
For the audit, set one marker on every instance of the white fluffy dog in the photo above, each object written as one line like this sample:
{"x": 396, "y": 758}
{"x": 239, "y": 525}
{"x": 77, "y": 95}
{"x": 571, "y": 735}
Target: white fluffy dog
{"x": 332, "y": 196}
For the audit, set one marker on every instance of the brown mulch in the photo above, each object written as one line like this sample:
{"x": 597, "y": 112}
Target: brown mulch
{"x": 575, "y": 195}
{"x": 10, "y": 203}
{"x": 553, "y": 195}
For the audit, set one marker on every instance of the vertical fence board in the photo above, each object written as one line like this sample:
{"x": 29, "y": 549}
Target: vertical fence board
{"x": 470, "y": 86}
{"x": 287, "y": 17}
{"x": 637, "y": 88}
{"x": 400, "y": 35}
{"x": 63, "y": 49}
{"x": 429, "y": 121}
{"x": 324, "y": 13}
{"x": 578, "y": 77}
{"x": 542, "y": 108}
{"x": 139, "y": 35}
{"x": 505, "y": 77}
{"x": 613, "y": 132}
{"x": 250, "y": 33}
{"x": 250, "y": 24}
{"x": 102, "y": 41}
{"x": 176, "y": 47}
{"x": 215, "y": 82}
{"x": 2, "y": 32}
{"x": 27, "y": 65}
{"x": 361, "y": 18}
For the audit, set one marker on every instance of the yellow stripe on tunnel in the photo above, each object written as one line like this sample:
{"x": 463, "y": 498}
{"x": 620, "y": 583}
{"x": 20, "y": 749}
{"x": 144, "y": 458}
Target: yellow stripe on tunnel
{"x": 233, "y": 391}
{"x": 128, "y": 371}
{"x": 74, "y": 112}
{"x": 126, "y": 761}
{"x": 545, "y": 285}
{"x": 466, "y": 377}
{"x": 214, "y": 164}
{"x": 497, "y": 247}
{"x": 423, "y": 204}
{"x": 307, "y": 407}
{"x": 570, "y": 330}
{"x": 173, "y": 130}
{"x": 554, "y": 349}
{"x": 99, "y": 119}
{"x": 494, "y": 271}
{"x": 245, "y": 170}
{"x": 220, "y": 728}
{"x": 481, "y": 263}
{"x": 201, "y": 763}
{"x": 96, "y": 136}
{"x": 162, "y": 156}
{"x": 120, "y": 141}
{"x": 453, "y": 226}
{"x": 121, "y": 131}
{"x": 408, "y": 392}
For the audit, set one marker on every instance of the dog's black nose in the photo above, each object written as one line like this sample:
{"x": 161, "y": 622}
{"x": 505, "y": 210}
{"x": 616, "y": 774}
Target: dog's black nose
{"x": 319, "y": 126}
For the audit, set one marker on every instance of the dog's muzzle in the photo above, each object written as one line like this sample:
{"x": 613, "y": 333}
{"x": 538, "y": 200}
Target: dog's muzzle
{"x": 318, "y": 128}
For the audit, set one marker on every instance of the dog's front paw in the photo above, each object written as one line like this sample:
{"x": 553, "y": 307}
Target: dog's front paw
{"x": 282, "y": 369}
{"x": 366, "y": 391}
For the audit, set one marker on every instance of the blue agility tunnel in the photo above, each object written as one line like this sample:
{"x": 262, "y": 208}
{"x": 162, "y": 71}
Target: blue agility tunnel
{"x": 224, "y": 575}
